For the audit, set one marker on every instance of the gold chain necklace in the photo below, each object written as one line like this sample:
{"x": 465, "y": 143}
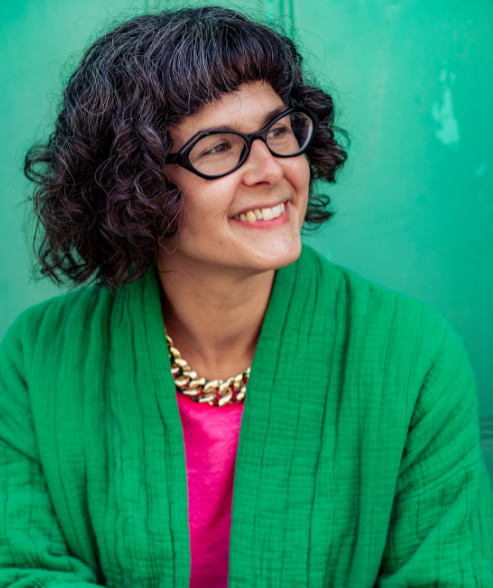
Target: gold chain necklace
{"x": 214, "y": 392}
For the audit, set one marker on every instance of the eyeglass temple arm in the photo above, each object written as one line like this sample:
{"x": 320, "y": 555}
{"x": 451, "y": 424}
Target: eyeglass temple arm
{"x": 172, "y": 158}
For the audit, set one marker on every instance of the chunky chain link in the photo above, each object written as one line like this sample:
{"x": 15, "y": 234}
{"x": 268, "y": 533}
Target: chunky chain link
{"x": 214, "y": 392}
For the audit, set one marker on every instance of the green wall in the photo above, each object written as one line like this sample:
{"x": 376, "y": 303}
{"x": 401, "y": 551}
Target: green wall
{"x": 414, "y": 86}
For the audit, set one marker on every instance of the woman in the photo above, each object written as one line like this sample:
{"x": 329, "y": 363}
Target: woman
{"x": 178, "y": 177}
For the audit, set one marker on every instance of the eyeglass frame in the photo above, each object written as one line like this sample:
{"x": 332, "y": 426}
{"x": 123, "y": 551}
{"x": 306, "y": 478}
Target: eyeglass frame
{"x": 181, "y": 157}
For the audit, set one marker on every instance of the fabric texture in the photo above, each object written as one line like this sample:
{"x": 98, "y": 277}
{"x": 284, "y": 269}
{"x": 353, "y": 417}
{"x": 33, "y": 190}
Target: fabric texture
{"x": 211, "y": 440}
{"x": 359, "y": 461}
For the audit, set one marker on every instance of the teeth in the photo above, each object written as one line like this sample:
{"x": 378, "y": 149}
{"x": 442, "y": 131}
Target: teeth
{"x": 262, "y": 214}
{"x": 251, "y": 218}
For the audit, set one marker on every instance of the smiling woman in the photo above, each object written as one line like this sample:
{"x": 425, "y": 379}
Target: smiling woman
{"x": 322, "y": 430}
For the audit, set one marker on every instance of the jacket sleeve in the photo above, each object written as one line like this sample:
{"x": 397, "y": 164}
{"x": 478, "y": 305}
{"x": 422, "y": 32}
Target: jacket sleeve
{"x": 441, "y": 527}
{"x": 33, "y": 551}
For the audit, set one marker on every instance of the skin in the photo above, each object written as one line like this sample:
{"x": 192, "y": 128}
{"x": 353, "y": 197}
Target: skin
{"x": 218, "y": 272}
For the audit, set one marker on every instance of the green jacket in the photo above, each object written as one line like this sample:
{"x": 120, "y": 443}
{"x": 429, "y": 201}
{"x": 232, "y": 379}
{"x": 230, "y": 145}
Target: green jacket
{"x": 359, "y": 460}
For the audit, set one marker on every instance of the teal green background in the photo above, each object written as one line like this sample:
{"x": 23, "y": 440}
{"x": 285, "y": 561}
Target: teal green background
{"x": 414, "y": 207}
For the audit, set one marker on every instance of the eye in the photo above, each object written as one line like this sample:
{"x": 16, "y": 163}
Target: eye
{"x": 278, "y": 132}
{"x": 221, "y": 148}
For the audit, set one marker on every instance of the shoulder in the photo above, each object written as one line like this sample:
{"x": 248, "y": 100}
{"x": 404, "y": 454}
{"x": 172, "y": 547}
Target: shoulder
{"x": 368, "y": 298}
{"x": 31, "y": 355}
{"x": 56, "y": 321}
{"x": 379, "y": 318}
{"x": 403, "y": 356}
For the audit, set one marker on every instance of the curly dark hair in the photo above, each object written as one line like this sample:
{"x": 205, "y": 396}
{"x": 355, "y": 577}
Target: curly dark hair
{"x": 103, "y": 203}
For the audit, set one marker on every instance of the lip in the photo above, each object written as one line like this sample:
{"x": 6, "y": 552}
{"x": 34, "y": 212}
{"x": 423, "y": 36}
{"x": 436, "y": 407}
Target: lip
{"x": 260, "y": 206}
{"x": 266, "y": 224}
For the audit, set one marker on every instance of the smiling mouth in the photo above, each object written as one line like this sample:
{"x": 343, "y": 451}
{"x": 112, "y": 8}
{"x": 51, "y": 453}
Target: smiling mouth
{"x": 259, "y": 214}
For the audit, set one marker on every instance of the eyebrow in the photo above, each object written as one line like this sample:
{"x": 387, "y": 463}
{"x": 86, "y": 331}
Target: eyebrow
{"x": 267, "y": 118}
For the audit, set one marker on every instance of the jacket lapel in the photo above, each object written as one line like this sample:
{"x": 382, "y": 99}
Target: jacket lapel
{"x": 165, "y": 516}
{"x": 282, "y": 429}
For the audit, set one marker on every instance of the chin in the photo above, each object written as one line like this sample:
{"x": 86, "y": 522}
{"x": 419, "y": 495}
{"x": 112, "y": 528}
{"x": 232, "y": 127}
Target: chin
{"x": 278, "y": 257}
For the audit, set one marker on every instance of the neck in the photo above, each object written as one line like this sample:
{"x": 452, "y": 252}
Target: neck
{"x": 214, "y": 315}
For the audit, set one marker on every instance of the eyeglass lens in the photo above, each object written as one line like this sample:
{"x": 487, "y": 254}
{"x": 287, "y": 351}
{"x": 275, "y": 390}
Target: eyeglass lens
{"x": 219, "y": 153}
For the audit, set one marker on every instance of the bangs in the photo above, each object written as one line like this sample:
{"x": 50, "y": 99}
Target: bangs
{"x": 210, "y": 56}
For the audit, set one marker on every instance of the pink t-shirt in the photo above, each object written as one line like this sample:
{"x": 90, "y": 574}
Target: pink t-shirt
{"x": 211, "y": 436}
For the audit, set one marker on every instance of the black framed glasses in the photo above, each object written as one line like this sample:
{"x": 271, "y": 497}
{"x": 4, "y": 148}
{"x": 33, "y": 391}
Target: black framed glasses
{"x": 216, "y": 153}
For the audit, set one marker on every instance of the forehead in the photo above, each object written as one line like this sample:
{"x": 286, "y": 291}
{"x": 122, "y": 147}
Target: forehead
{"x": 244, "y": 111}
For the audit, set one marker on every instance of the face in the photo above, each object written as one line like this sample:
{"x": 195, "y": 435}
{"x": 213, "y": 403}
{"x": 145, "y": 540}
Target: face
{"x": 211, "y": 230}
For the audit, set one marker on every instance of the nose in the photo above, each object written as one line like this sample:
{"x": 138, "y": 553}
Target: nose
{"x": 261, "y": 166}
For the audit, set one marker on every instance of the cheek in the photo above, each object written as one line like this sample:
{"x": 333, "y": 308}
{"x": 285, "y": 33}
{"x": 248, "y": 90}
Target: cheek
{"x": 299, "y": 175}
{"x": 206, "y": 201}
